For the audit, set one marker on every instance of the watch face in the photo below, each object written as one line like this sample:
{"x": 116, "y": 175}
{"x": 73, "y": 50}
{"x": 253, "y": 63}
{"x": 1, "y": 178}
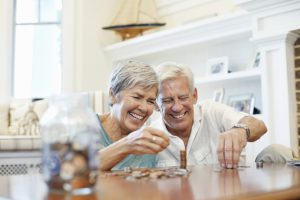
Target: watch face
{"x": 240, "y": 126}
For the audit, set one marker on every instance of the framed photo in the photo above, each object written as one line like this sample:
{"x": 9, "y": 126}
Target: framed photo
{"x": 217, "y": 65}
{"x": 256, "y": 60}
{"x": 242, "y": 103}
{"x": 218, "y": 95}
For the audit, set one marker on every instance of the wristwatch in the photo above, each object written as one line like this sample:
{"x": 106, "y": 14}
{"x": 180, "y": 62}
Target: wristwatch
{"x": 245, "y": 127}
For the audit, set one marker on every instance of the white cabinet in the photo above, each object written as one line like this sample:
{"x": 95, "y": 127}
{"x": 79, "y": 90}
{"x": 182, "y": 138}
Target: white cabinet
{"x": 238, "y": 36}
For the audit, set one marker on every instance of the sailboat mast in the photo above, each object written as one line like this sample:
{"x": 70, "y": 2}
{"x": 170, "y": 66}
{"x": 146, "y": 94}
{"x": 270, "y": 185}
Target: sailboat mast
{"x": 137, "y": 17}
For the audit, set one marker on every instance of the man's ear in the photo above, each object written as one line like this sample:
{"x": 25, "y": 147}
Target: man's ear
{"x": 195, "y": 95}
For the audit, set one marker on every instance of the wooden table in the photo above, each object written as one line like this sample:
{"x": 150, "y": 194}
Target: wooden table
{"x": 273, "y": 181}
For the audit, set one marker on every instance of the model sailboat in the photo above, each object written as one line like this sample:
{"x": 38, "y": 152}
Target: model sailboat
{"x": 135, "y": 17}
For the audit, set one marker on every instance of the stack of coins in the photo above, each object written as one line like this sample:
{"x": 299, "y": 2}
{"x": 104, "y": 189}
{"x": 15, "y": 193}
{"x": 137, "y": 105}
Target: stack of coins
{"x": 183, "y": 159}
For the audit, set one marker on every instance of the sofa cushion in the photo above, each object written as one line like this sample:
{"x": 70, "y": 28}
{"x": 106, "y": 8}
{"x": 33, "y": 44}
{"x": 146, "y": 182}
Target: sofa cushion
{"x": 25, "y": 116}
{"x": 4, "y": 108}
{"x": 8, "y": 143}
{"x": 17, "y": 111}
{"x": 40, "y": 107}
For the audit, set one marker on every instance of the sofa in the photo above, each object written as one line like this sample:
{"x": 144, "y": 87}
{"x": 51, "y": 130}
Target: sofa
{"x": 20, "y": 137}
{"x": 19, "y": 124}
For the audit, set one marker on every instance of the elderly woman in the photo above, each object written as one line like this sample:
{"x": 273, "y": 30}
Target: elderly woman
{"x": 126, "y": 143}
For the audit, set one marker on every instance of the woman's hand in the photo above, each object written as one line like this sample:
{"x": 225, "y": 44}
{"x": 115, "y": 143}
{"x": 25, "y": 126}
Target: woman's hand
{"x": 146, "y": 140}
{"x": 143, "y": 141}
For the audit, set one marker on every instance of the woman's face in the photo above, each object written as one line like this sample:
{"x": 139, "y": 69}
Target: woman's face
{"x": 132, "y": 107}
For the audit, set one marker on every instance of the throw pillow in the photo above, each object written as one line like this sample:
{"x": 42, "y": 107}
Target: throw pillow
{"x": 4, "y": 108}
{"x": 23, "y": 119}
{"x": 40, "y": 107}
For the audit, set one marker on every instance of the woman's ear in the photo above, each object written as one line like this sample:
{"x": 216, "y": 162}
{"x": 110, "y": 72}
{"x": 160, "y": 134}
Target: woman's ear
{"x": 111, "y": 97}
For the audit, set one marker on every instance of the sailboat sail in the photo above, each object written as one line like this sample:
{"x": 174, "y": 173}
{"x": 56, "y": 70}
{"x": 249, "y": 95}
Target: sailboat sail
{"x": 128, "y": 13}
{"x": 148, "y": 15}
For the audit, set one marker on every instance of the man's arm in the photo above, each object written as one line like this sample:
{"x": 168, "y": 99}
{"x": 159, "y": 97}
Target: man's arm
{"x": 232, "y": 141}
{"x": 257, "y": 127}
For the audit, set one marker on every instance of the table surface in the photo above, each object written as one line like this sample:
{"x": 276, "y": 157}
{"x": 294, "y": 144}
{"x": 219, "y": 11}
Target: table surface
{"x": 273, "y": 181}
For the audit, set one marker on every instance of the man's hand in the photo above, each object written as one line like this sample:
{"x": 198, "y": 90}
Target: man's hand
{"x": 230, "y": 146}
{"x": 147, "y": 141}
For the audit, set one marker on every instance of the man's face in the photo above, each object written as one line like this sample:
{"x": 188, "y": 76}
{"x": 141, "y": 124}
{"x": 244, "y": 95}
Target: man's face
{"x": 175, "y": 101}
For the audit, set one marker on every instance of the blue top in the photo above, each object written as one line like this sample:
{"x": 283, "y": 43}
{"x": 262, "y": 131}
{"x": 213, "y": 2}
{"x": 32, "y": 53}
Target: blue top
{"x": 133, "y": 161}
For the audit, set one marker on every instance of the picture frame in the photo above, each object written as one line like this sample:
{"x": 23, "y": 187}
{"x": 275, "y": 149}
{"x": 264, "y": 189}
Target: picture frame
{"x": 242, "y": 103}
{"x": 217, "y": 65}
{"x": 218, "y": 95}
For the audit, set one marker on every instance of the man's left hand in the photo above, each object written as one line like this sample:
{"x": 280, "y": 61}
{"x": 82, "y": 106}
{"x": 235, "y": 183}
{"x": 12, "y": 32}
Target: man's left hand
{"x": 230, "y": 146}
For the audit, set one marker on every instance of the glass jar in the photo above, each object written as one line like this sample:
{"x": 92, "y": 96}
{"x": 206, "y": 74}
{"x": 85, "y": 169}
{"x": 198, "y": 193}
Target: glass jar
{"x": 71, "y": 139}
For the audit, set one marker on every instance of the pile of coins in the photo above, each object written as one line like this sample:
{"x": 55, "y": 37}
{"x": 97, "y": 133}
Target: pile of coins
{"x": 158, "y": 173}
{"x": 147, "y": 174}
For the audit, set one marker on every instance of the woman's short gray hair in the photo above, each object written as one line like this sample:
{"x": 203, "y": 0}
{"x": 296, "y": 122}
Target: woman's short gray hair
{"x": 168, "y": 70}
{"x": 129, "y": 74}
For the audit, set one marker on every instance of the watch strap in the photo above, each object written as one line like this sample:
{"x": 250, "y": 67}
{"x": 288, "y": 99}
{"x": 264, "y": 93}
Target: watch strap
{"x": 245, "y": 127}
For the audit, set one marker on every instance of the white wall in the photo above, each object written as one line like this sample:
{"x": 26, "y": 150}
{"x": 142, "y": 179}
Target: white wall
{"x": 84, "y": 64}
{"x": 177, "y": 12}
{"x": 6, "y": 13}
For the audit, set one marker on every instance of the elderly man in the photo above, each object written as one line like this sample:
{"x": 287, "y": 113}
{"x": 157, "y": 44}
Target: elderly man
{"x": 208, "y": 131}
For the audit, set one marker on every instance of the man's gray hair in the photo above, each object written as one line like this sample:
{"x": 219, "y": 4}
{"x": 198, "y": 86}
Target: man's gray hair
{"x": 129, "y": 74}
{"x": 169, "y": 70}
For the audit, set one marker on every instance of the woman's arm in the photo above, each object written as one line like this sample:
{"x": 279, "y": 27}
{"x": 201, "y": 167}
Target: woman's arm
{"x": 143, "y": 141}
{"x": 113, "y": 154}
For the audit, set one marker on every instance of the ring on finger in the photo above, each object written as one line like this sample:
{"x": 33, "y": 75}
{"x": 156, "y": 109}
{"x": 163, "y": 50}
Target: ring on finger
{"x": 153, "y": 139}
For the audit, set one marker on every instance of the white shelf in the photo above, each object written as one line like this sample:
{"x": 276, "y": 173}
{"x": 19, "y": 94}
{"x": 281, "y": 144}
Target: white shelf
{"x": 213, "y": 30}
{"x": 234, "y": 76}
